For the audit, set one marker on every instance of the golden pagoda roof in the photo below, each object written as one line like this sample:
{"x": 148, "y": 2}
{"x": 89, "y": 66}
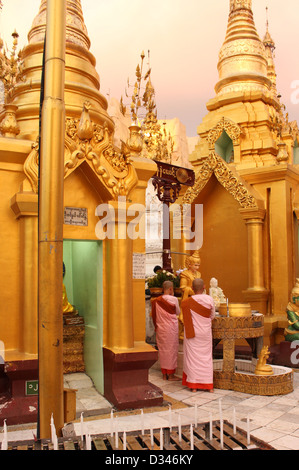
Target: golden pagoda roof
{"x": 82, "y": 82}
{"x": 242, "y": 62}
{"x": 76, "y": 31}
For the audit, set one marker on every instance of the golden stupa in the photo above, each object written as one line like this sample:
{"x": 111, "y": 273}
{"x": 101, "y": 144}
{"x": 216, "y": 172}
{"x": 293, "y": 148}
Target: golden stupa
{"x": 247, "y": 177}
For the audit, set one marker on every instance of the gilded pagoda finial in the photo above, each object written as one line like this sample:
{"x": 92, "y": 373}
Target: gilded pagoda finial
{"x": 158, "y": 144}
{"x": 11, "y": 68}
{"x": 240, "y": 4}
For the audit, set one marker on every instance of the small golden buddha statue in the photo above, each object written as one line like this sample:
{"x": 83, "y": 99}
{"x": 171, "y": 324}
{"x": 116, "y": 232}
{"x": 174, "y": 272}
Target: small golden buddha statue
{"x": 262, "y": 368}
{"x": 66, "y": 306}
{"x": 187, "y": 276}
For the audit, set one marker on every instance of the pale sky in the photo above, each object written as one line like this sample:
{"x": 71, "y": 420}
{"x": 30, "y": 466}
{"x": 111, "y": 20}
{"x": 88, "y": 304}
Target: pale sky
{"x": 184, "y": 38}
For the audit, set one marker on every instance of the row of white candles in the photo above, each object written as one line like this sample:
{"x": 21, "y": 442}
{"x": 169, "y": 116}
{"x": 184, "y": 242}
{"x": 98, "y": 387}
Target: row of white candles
{"x": 114, "y": 427}
{"x": 115, "y": 431}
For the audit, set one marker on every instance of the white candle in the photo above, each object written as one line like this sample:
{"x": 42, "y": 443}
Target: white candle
{"x": 116, "y": 433}
{"x": 221, "y": 423}
{"x": 82, "y": 426}
{"x": 161, "y": 439}
{"x": 234, "y": 421}
{"x": 169, "y": 416}
{"x": 248, "y": 430}
{"x": 191, "y": 437}
{"x": 88, "y": 442}
{"x": 111, "y": 423}
{"x": 52, "y": 429}
{"x": 125, "y": 440}
{"x": 142, "y": 423}
{"x": 4, "y": 445}
{"x": 211, "y": 427}
{"x": 180, "y": 428}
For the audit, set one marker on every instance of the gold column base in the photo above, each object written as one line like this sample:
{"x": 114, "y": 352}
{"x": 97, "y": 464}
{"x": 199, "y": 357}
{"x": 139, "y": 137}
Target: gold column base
{"x": 257, "y": 298}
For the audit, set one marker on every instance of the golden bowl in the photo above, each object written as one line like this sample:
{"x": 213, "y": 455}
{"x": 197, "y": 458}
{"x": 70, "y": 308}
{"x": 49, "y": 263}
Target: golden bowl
{"x": 235, "y": 310}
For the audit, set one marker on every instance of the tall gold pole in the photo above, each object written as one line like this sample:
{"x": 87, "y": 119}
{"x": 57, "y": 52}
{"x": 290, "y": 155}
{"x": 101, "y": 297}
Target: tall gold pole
{"x": 51, "y": 224}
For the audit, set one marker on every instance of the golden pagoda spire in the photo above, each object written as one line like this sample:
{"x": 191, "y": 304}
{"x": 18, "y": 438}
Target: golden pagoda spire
{"x": 270, "y": 48}
{"x": 82, "y": 82}
{"x": 76, "y": 31}
{"x": 242, "y": 62}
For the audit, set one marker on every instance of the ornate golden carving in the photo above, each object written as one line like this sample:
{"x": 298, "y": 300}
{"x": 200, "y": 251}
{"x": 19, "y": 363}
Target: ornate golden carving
{"x": 86, "y": 140}
{"x": 238, "y": 327}
{"x": 215, "y": 164}
{"x": 11, "y": 68}
{"x": 231, "y": 182}
{"x": 31, "y": 167}
{"x": 281, "y": 384}
{"x": 231, "y": 128}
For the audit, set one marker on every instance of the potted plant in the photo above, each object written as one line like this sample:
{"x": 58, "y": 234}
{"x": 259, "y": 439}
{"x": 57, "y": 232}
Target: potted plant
{"x": 155, "y": 283}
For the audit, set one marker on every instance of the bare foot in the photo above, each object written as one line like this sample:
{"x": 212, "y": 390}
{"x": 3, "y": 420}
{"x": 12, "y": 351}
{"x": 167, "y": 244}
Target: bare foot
{"x": 165, "y": 377}
{"x": 194, "y": 390}
{"x": 211, "y": 390}
{"x": 173, "y": 378}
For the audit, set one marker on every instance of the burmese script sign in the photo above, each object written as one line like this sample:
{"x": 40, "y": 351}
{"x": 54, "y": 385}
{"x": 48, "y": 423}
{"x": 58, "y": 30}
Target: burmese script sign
{"x": 174, "y": 174}
{"x": 138, "y": 266}
{"x": 75, "y": 216}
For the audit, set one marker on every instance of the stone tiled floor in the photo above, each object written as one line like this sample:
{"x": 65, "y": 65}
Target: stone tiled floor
{"x": 274, "y": 420}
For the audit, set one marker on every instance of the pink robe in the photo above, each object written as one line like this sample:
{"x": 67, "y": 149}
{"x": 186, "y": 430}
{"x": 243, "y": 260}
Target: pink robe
{"x": 198, "y": 344}
{"x": 167, "y": 332}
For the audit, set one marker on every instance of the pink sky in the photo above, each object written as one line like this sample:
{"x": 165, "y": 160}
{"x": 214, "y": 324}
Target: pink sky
{"x": 184, "y": 38}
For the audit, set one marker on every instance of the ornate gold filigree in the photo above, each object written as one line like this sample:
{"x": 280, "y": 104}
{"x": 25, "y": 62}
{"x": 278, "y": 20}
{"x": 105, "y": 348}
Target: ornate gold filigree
{"x": 231, "y": 182}
{"x": 215, "y": 164}
{"x": 231, "y": 128}
{"x": 11, "y": 68}
{"x": 86, "y": 140}
{"x": 31, "y": 166}
{"x": 157, "y": 142}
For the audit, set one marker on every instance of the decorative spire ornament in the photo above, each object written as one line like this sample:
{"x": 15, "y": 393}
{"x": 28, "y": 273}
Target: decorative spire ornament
{"x": 240, "y": 4}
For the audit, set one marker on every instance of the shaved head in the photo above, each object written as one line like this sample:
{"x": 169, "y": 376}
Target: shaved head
{"x": 198, "y": 286}
{"x": 167, "y": 285}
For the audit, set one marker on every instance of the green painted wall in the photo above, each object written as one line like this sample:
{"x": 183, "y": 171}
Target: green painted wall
{"x": 84, "y": 285}
{"x": 224, "y": 147}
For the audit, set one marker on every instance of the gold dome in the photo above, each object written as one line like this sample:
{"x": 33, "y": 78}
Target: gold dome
{"x": 242, "y": 62}
{"x": 82, "y": 81}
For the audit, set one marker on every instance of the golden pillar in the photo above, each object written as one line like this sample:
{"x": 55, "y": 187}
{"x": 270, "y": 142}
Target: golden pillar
{"x": 51, "y": 224}
{"x": 25, "y": 207}
{"x": 256, "y": 293}
{"x": 120, "y": 330}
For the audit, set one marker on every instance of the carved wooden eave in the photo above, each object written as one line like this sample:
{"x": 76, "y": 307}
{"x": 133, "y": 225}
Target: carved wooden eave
{"x": 241, "y": 191}
{"x": 86, "y": 141}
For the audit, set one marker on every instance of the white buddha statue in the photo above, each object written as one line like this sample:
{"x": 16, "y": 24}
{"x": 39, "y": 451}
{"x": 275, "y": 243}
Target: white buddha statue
{"x": 216, "y": 293}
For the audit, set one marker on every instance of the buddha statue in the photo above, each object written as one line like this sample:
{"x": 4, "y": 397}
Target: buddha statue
{"x": 67, "y": 307}
{"x": 216, "y": 293}
{"x": 262, "y": 368}
{"x": 292, "y": 331}
{"x": 187, "y": 276}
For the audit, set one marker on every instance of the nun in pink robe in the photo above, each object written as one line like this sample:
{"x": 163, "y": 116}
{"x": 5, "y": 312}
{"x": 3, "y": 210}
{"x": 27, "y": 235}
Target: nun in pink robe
{"x": 165, "y": 312}
{"x": 198, "y": 313}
